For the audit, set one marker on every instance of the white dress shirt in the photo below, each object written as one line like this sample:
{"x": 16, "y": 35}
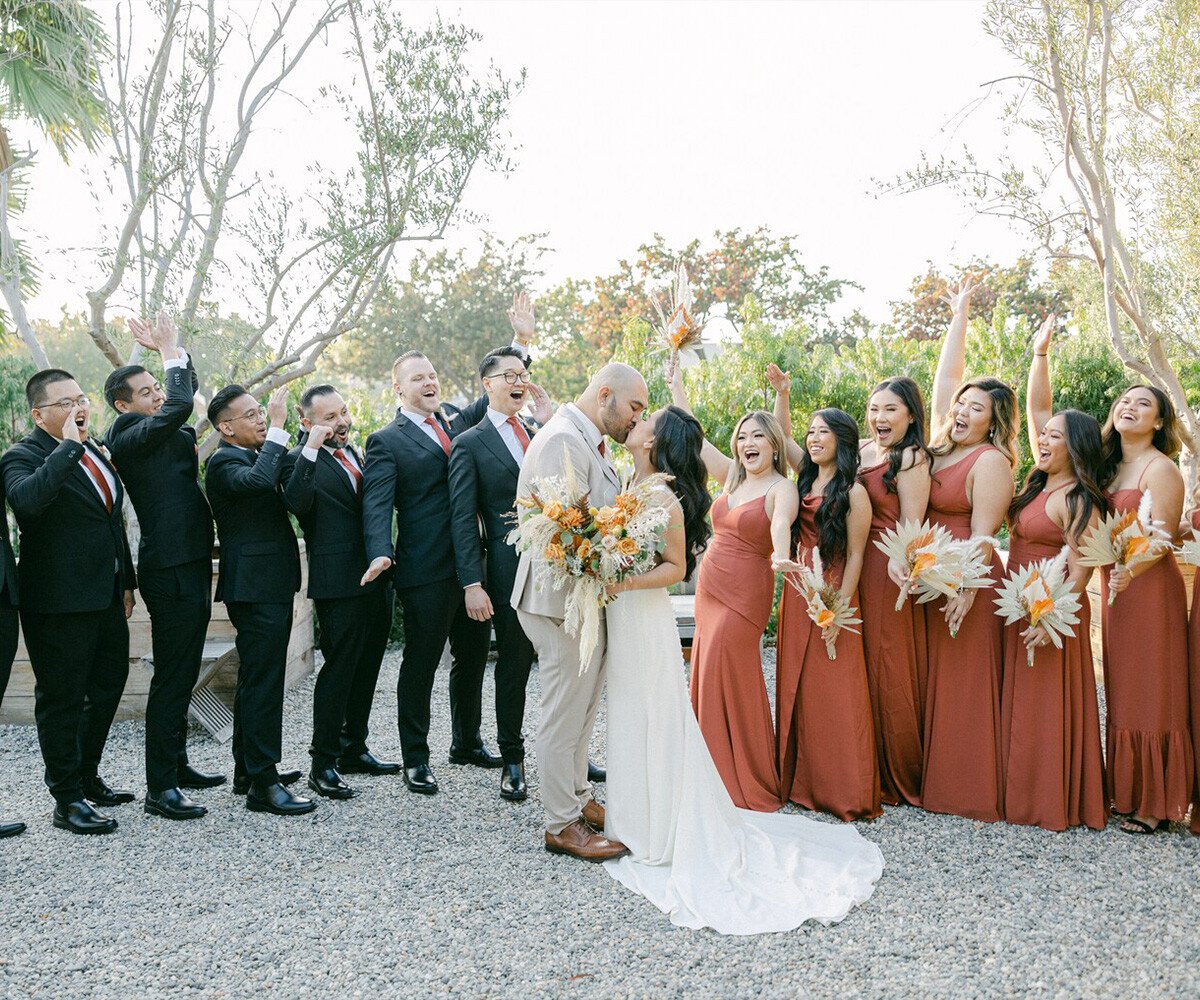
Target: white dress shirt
{"x": 507, "y": 435}
{"x": 419, "y": 419}
{"x": 311, "y": 455}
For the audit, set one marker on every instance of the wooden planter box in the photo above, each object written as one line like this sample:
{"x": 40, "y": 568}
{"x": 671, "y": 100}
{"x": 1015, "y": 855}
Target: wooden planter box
{"x": 17, "y": 708}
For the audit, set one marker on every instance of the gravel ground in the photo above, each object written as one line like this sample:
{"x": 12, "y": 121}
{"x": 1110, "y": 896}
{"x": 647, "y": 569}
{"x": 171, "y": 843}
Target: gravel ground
{"x": 393, "y": 894}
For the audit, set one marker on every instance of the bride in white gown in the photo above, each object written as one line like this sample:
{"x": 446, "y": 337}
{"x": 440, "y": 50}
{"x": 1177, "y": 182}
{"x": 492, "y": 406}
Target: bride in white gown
{"x": 692, "y": 853}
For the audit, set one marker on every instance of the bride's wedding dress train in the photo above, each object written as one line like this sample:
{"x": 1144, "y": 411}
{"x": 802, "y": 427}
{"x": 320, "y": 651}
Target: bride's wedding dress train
{"x": 693, "y": 854}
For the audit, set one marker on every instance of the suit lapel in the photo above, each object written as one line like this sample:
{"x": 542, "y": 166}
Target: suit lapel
{"x": 415, "y": 434}
{"x": 80, "y": 481}
{"x": 336, "y": 469}
{"x": 495, "y": 444}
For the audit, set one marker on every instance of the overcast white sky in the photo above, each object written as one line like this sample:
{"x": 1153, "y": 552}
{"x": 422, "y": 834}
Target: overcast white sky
{"x": 684, "y": 118}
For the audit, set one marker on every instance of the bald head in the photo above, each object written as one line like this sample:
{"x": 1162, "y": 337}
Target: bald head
{"x": 615, "y": 399}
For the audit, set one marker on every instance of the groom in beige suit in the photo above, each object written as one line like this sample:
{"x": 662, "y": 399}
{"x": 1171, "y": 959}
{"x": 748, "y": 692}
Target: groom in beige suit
{"x": 610, "y": 407}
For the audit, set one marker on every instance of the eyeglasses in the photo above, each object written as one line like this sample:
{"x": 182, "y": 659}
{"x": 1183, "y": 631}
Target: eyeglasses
{"x": 512, "y": 378}
{"x": 66, "y": 404}
{"x": 257, "y": 412}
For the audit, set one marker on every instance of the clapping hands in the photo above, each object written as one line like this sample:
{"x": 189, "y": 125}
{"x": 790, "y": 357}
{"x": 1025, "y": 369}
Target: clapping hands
{"x": 161, "y": 336}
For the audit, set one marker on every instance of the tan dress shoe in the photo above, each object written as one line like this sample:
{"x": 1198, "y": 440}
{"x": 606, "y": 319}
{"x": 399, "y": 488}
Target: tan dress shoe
{"x": 593, "y": 815}
{"x": 580, "y": 841}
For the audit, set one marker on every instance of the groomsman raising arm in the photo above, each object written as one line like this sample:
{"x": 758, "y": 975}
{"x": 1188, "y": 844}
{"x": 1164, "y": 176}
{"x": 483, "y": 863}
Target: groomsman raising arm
{"x": 258, "y": 577}
{"x": 484, "y": 464}
{"x": 155, "y": 450}
{"x": 323, "y": 488}
{"x": 76, "y": 580}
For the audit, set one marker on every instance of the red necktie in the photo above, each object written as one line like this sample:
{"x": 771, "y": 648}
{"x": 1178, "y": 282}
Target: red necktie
{"x": 442, "y": 436}
{"x": 349, "y": 466}
{"x": 93, "y": 470}
{"x": 519, "y": 431}
{"x": 600, "y": 447}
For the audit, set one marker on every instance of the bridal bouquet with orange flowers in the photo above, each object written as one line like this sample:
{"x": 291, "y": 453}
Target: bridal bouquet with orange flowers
{"x": 829, "y": 609}
{"x": 1125, "y": 540}
{"x": 587, "y": 548}
{"x": 1041, "y": 594}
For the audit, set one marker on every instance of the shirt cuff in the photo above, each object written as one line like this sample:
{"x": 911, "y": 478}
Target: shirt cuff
{"x": 310, "y": 453}
{"x": 278, "y": 435}
{"x": 180, "y": 362}
{"x": 523, "y": 348}
{"x": 468, "y": 586}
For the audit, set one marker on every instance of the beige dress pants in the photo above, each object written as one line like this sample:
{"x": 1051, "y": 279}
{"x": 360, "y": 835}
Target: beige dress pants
{"x": 569, "y": 704}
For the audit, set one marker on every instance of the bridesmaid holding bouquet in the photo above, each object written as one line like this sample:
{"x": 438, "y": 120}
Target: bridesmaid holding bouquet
{"x": 1150, "y": 751}
{"x": 735, "y": 591}
{"x": 970, "y": 494}
{"x": 1050, "y": 722}
{"x": 895, "y": 473}
{"x": 826, "y": 735}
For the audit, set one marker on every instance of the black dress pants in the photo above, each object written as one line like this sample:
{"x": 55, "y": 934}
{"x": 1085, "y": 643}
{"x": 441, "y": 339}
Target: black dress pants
{"x": 514, "y": 657}
{"x": 434, "y": 612}
{"x": 354, "y": 635}
{"x": 263, "y": 631}
{"x": 179, "y": 600}
{"x": 80, "y": 662}
{"x": 10, "y": 628}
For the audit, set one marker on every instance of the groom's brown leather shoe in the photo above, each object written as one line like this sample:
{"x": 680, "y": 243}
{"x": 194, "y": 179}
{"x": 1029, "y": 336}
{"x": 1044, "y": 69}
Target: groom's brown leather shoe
{"x": 593, "y": 815}
{"x": 579, "y": 841}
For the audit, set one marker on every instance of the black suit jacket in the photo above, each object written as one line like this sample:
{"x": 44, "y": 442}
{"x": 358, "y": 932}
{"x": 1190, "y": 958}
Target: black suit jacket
{"x": 72, "y": 548}
{"x": 407, "y": 472}
{"x": 322, "y": 497}
{"x": 157, "y": 459}
{"x": 260, "y": 561}
{"x": 9, "y": 590}
{"x": 483, "y": 491}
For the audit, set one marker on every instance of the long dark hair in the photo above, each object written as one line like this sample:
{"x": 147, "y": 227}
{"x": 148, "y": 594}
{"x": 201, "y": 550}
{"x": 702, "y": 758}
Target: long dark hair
{"x": 835, "y": 505}
{"x": 678, "y": 438}
{"x": 1166, "y": 438}
{"x": 910, "y": 395}
{"x": 1005, "y": 421}
{"x": 1087, "y": 459}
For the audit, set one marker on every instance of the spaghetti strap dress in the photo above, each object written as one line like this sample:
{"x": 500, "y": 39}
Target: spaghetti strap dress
{"x": 735, "y": 591}
{"x": 894, "y": 643}
{"x": 1050, "y": 721}
{"x": 962, "y": 773}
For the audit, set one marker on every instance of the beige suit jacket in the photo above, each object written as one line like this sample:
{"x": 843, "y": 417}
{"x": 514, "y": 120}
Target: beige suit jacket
{"x": 533, "y": 591}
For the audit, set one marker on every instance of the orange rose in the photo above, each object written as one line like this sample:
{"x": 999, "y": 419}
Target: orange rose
{"x": 555, "y": 552}
{"x": 628, "y": 504}
{"x": 571, "y": 518}
{"x": 585, "y": 548}
{"x": 553, "y": 510}
{"x": 627, "y": 547}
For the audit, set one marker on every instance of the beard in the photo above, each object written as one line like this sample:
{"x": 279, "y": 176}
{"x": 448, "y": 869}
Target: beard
{"x": 614, "y": 427}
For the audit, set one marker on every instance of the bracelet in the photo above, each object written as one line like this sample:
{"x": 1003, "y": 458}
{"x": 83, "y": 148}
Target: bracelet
{"x": 1036, "y": 355}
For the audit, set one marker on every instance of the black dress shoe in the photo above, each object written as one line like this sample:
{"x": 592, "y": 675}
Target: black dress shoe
{"x": 189, "y": 777}
{"x": 11, "y": 829}
{"x": 173, "y": 804}
{"x": 80, "y": 817}
{"x": 367, "y": 763}
{"x": 278, "y": 800}
{"x": 242, "y": 782}
{"x": 420, "y": 779}
{"x": 479, "y": 757}
{"x": 512, "y": 783}
{"x": 596, "y": 773}
{"x": 96, "y": 791}
{"x": 326, "y": 781}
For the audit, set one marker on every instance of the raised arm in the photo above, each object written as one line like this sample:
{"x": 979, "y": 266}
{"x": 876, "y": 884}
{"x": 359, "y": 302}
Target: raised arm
{"x": 952, "y": 360}
{"x": 1039, "y": 400}
{"x": 135, "y": 432}
{"x": 781, "y": 382}
{"x": 715, "y": 463}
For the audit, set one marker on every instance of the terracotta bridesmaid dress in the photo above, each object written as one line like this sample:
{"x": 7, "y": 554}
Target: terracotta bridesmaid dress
{"x": 826, "y": 735}
{"x": 1050, "y": 721}
{"x": 734, "y": 595}
{"x": 1194, "y": 660}
{"x": 962, "y": 773}
{"x": 894, "y": 642}
{"x": 1150, "y": 756}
